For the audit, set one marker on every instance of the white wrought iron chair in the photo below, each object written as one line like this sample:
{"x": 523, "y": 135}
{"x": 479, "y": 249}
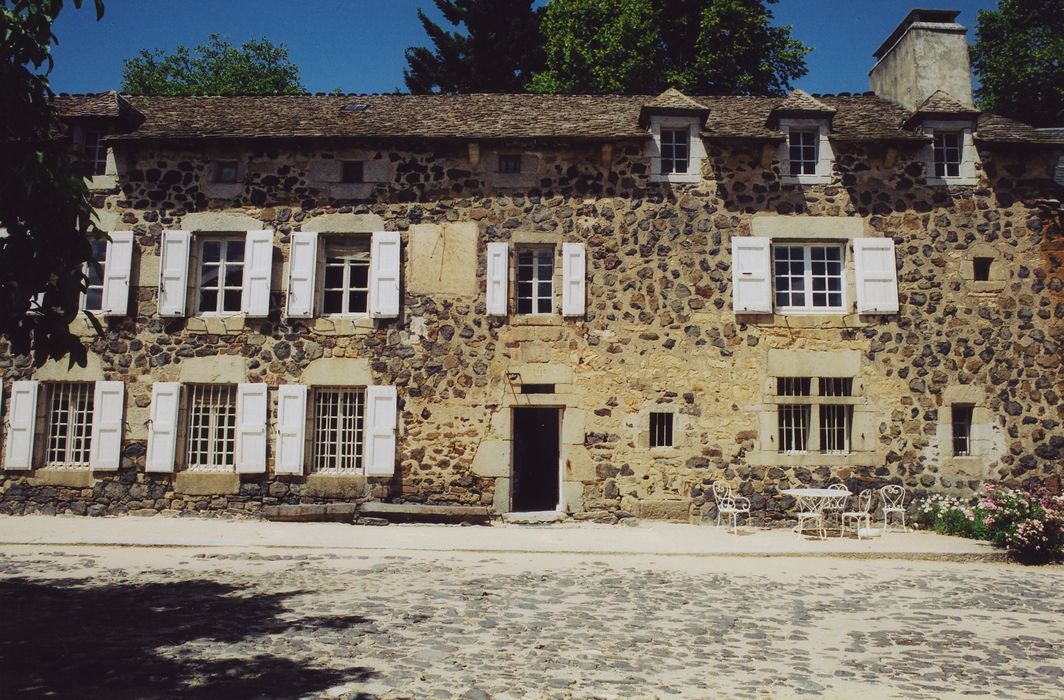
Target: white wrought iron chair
{"x": 861, "y": 513}
{"x": 729, "y": 505}
{"x": 832, "y": 508}
{"x": 893, "y": 499}
{"x": 809, "y": 510}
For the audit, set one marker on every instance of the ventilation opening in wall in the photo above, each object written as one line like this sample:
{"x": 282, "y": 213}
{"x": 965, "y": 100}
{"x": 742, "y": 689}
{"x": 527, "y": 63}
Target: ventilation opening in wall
{"x": 537, "y": 388}
{"x": 962, "y": 429}
{"x": 661, "y": 429}
{"x": 981, "y": 269}
{"x": 351, "y": 171}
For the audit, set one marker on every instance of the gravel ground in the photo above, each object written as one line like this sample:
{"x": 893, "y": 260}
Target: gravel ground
{"x": 188, "y": 622}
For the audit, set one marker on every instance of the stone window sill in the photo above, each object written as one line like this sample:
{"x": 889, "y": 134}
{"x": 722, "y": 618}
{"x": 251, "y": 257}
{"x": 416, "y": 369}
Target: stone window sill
{"x": 536, "y": 320}
{"x": 815, "y": 459}
{"x": 215, "y": 325}
{"x": 102, "y": 182}
{"x": 952, "y": 181}
{"x": 326, "y": 325}
{"x": 803, "y": 320}
{"x": 986, "y": 287}
{"x": 805, "y": 179}
{"x": 676, "y": 178}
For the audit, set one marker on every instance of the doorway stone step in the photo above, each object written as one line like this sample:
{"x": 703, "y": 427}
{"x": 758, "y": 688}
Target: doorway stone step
{"x": 539, "y": 517}
{"x": 425, "y": 513}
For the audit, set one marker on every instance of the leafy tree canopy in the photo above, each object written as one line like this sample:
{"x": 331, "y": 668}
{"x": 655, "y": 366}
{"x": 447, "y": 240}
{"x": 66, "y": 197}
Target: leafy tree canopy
{"x": 259, "y": 67}
{"x": 1018, "y": 56}
{"x": 645, "y": 46}
{"x": 498, "y": 53}
{"x": 45, "y": 205}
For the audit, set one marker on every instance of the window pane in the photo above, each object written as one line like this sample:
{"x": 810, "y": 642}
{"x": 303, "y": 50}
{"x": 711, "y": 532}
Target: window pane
{"x": 212, "y": 251}
{"x": 235, "y": 251}
{"x": 94, "y": 299}
{"x": 332, "y": 302}
{"x": 360, "y": 276}
{"x": 358, "y": 302}
{"x": 334, "y": 277}
{"x": 234, "y": 275}
{"x": 232, "y": 300}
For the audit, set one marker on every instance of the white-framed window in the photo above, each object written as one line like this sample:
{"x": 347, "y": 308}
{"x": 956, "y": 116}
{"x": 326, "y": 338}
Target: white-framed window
{"x": 338, "y": 434}
{"x": 95, "y": 150}
{"x": 68, "y": 418}
{"x": 211, "y": 428}
{"x": 805, "y": 403}
{"x": 661, "y": 425}
{"x": 803, "y": 151}
{"x": 93, "y": 299}
{"x": 947, "y": 148}
{"x": 675, "y": 150}
{"x": 535, "y": 280}
{"x": 808, "y": 277}
{"x": 221, "y": 275}
{"x": 345, "y": 277}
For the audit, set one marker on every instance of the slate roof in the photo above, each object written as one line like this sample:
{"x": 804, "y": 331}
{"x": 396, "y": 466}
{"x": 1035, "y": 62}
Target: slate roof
{"x": 859, "y": 117}
{"x": 801, "y": 102}
{"x": 673, "y": 99}
{"x": 941, "y": 102}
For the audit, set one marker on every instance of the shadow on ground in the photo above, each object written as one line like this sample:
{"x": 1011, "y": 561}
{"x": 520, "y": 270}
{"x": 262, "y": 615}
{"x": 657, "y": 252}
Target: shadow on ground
{"x": 63, "y": 638}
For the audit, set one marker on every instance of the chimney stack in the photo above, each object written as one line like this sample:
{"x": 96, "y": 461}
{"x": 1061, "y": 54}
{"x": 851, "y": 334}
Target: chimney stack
{"x": 927, "y": 52}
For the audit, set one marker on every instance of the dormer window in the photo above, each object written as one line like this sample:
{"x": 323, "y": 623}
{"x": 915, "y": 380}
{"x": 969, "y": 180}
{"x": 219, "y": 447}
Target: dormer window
{"x": 803, "y": 151}
{"x": 675, "y": 151}
{"x": 95, "y": 151}
{"x": 947, "y": 153}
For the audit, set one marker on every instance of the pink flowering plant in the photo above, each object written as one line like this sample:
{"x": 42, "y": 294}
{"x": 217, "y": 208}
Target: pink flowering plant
{"x": 1028, "y": 524}
{"x": 948, "y": 515}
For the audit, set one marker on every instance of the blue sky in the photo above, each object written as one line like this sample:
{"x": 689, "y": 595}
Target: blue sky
{"x": 357, "y": 45}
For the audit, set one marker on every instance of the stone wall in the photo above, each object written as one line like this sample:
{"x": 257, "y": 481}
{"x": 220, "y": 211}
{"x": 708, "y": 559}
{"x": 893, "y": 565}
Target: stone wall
{"x": 659, "y": 332}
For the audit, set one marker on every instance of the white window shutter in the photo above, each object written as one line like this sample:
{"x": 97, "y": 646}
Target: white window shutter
{"x": 251, "y": 428}
{"x": 877, "y": 275}
{"x": 302, "y": 264}
{"x": 498, "y": 275}
{"x": 379, "y": 435}
{"x": 751, "y": 275}
{"x": 108, "y": 410}
{"x": 291, "y": 428}
{"x": 384, "y": 257}
{"x": 116, "y": 271}
{"x": 173, "y": 272}
{"x": 162, "y": 427}
{"x": 258, "y": 263}
{"x": 574, "y": 284}
{"x": 22, "y": 424}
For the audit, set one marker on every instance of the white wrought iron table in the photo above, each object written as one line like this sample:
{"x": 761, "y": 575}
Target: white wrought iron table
{"x": 817, "y": 501}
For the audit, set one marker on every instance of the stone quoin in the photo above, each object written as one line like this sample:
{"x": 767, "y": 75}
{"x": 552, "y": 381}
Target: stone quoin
{"x": 595, "y": 304}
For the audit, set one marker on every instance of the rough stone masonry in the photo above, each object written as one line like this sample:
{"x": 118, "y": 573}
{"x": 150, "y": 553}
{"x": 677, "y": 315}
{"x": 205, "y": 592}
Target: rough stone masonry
{"x": 764, "y": 400}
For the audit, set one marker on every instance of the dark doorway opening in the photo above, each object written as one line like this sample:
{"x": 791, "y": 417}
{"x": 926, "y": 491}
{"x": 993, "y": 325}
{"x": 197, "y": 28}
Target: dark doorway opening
{"x": 535, "y": 455}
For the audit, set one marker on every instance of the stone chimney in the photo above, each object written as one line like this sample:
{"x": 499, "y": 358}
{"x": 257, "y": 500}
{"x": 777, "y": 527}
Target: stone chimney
{"x": 927, "y": 52}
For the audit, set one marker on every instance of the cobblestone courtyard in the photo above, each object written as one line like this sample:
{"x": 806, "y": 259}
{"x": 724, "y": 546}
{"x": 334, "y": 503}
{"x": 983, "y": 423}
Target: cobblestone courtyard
{"x": 207, "y": 622}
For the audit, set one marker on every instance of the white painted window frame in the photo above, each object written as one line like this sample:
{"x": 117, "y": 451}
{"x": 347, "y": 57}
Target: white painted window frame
{"x": 67, "y": 425}
{"x": 324, "y": 242}
{"x": 696, "y": 151}
{"x": 969, "y": 153}
{"x": 825, "y": 152}
{"x": 321, "y": 435}
{"x": 536, "y": 281}
{"x": 200, "y": 243}
{"x": 102, "y": 286}
{"x": 807, "y": 247}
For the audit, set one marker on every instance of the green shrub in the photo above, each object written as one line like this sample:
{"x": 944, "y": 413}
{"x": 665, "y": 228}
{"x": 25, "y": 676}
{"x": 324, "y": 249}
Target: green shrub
{"x": 1028, "y": 524}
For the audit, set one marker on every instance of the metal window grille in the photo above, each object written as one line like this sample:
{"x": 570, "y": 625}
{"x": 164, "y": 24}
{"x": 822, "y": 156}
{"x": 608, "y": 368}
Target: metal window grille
{"x": 803, "y": 151}
{"x": 212, "y": 428}
{"x": 675, "y": 151}
{"x": 660, "y": 429}
{"x": 69, "y": 425}
{"x": 793, "y": 386}
{"x": 962, "y": 429}
{"x": 338, "y": 431}
{"x": 221, "y": 280}
{"x": 836, "y": 386}
{"x": 808, "y": 277}
{"x": 947, "y": 147}
{"x": 94, "y": 287}
{"x": 535, "y": 281}
{"x": 352, "y": 171}
{"x": 510, "y": 164}
{"x": 835, "y": 428}
{"x": 95, "y": 152}
{"x": 345, "y": 287}
{"x": 793, "y": 423}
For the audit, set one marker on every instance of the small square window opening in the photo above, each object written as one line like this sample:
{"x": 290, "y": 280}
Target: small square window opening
{"x": 352, "y": 171}
{"x": 961, "y": 418}
{"x": 509, "y": 164}
{"x": 803, "y": 151}
{"x": 535, "y": 281}
{"x": 981, "y": 269}
{"x": 661, "y": 429}
{"x": 226, "y": 172}
{"x": 947, "y": 149}
{"x": 675, "y": 151}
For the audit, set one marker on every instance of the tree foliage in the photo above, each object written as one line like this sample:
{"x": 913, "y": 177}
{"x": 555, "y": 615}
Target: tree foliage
{"x": 45, "y": 205}
{"x": 645, "y": 46}
{"x": 259, "y": 67}
{"x": 1018, "y": 56}
{"x": 499, "y": 51}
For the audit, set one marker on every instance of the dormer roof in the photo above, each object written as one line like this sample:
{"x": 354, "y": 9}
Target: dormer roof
{"x": 799, "y": 104}
{"x": 674, "y": 102}
{"x": 941, "y": 105}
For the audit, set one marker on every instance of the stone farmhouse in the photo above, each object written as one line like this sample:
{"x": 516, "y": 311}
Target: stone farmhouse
{"x": 590, "y": 304}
